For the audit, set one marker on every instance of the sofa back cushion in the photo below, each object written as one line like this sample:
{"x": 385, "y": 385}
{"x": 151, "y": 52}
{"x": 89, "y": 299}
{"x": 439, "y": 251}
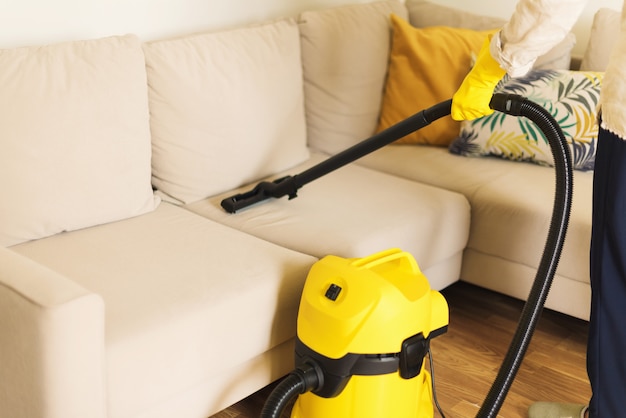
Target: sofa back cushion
{"x": 74, "y": 137}
{"x": 226, "y": 108}
{"x": 424, "y": 13}
{"x": 345, "y": 52}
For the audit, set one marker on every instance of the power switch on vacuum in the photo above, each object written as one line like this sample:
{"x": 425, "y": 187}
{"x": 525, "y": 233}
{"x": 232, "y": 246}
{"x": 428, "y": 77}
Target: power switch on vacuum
{"x": 333, "y": 292}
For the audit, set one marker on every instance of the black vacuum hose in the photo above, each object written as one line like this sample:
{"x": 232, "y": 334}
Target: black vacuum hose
{"x": 303, "y": 379}
{"x": 518, "y": 106}
{"x": 287, "y": 389}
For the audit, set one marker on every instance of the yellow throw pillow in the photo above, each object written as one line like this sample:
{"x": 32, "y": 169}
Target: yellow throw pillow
{"x": 427, "y": 66}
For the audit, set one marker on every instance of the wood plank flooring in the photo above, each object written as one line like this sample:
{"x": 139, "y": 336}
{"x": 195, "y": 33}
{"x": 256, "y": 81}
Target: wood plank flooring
{"x": 469, "y": 355}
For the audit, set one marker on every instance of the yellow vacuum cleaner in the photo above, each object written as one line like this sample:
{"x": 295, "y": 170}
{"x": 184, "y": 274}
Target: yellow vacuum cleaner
{"x": 365, "y": 324}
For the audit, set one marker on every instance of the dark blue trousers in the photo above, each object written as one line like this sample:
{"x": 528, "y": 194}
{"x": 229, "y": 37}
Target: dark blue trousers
{"x": 606, "y": 354}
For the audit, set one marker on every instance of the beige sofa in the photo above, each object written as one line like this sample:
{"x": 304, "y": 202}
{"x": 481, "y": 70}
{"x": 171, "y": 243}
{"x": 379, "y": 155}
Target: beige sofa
{"x": 126, "y": 291}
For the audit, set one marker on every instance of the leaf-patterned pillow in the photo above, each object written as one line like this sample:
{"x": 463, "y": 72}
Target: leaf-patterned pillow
{"x": 572, "y": 97}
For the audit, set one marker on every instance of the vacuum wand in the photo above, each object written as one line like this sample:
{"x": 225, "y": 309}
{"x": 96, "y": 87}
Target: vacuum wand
{"x": 289, "y": 185}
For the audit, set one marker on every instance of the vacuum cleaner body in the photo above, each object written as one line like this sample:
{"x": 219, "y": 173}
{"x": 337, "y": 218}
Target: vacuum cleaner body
{"x": 366, "y": 324}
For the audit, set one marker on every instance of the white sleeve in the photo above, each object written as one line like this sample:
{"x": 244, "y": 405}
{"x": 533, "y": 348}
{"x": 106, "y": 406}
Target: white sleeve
{"x": 534, "y": 28}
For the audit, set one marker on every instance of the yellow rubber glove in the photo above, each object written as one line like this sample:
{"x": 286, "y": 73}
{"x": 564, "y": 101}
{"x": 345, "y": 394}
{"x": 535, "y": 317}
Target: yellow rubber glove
{"x": 472, "y": 99}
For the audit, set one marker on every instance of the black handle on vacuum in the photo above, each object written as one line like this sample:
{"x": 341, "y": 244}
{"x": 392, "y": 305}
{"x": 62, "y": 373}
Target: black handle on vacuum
{"x": 519, "y": 106}
{"x": 288, "y": 186}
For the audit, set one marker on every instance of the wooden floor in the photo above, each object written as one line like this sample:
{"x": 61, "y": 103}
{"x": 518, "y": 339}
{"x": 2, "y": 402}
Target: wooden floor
{"x": 468, "y": 357}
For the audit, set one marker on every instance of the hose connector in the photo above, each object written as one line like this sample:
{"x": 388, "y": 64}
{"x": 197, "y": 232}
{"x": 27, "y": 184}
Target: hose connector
{"x": 312, "y": 376}
{"x": 511, "y": 104}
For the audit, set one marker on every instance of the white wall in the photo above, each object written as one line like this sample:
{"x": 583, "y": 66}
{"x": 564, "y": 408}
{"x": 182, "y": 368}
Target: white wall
{"x": 35, "y": 22}
{"x": 504, "y": 8}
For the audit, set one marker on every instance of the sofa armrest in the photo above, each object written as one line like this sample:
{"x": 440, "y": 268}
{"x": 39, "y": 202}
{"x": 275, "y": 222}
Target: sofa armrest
{"x": 51, "y": 343}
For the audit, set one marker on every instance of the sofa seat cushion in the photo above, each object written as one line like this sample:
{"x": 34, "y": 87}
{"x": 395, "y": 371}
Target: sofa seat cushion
{"x": 354, "y": 212}
{"x": 75, "y": 137}
{"x": 185, "y": 298}
{"x": 508, "y": 199}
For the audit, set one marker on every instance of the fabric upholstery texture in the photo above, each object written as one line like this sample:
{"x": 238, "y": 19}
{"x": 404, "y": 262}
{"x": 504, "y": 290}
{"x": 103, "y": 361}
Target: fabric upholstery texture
{"x": 424, "y": 13}
{"x": 571, "y": 97}
{"x": 355, "y": 212}
{"x": 165, "y": 320}
{"x": 75, "y": 137}
{"x": 344, "y": 58}
{"x": 200, "y": 124}
{"x": 510, "y": 217}
{"x": 426, "y": 66}
{"x": 52, "y": 344}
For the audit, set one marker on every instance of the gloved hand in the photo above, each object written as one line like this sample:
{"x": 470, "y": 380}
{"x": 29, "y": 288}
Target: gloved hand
{"x": 472, "y": 99}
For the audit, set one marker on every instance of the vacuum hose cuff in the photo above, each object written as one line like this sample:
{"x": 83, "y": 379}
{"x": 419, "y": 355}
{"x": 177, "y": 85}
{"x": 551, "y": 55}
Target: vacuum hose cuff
{"x": 304, "y": 379}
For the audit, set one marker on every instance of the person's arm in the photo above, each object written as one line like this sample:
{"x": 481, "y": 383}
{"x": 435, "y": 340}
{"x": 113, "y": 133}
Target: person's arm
{"x": 534, "y": 28}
